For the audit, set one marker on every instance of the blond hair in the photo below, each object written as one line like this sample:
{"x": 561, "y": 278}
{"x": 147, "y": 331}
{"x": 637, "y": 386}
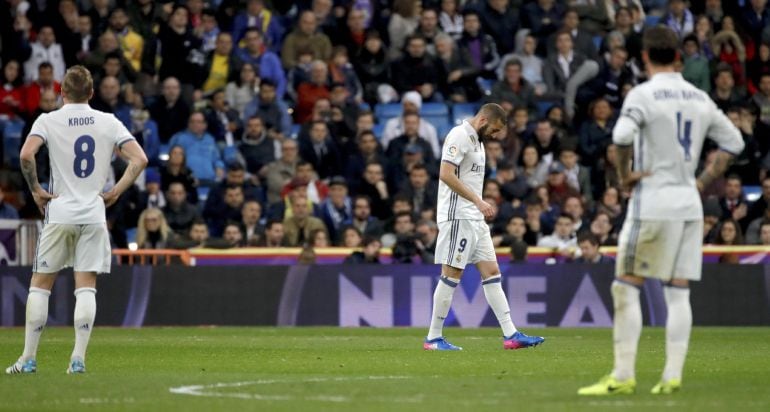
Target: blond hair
{"x": 78, "y": 85}
{"x": 141, "y": 229}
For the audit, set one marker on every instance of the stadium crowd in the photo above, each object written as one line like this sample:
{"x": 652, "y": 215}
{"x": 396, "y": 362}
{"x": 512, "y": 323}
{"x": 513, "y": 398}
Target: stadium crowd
{"x": 319, "y": 122}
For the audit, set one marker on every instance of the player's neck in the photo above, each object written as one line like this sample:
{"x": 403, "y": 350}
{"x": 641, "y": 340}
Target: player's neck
{"x": 653, "y": 69}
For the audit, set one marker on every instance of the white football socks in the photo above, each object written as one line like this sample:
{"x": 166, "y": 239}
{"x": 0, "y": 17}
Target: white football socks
{"x": 442, "y": 301}
{"x": 85, "y": 312}
{"x": 37, "y": 316}
{"x": 678, "y": 326}
{"x": 493, "y": 291}
{"x": 627, "y": 328}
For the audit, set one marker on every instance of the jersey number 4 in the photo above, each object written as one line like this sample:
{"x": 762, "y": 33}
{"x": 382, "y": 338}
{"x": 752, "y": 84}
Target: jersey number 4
{"x": 84, "y": 156}
{"x": 683, "y": 134}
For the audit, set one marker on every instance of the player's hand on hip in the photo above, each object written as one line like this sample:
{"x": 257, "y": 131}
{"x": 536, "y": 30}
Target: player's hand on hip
{"x": 633, "y": 179}
{"x": 110, "y": 197}
{"x": 42, "y": 198}
{"x": 485, "y": 208}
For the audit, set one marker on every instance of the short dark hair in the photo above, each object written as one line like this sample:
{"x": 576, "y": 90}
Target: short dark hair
{"x": 661, "y": 45}
{"x": 402, "y": 214}
{"x": 368, "y": 240}
{"x": 588, "y": 236}
{"x": 272, "y": 222}
{"x": 734, "y": 176}
{"x": 494, "y": 112}
{"x": 565, "y": 216}
{"x": 417, "y": 167}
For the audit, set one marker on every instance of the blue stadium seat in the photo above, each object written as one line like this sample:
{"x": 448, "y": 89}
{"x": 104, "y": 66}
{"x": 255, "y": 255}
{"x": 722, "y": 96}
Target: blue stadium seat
{"x": 131, "y": 235}
{"x": 543, "y": 107}
{"x": 378, "y": 129}
{"x": 442, "y": 129}
{"x": 485, "y": 85}
{"x": 386, "y": 111}
{"x": 598, "y": 42}
{"x": 163, "y": 152}
{"x": 203, "y": 194}
{"x": 434, "y": 110}
{"x": 439, "y": 120}
{"x": 295, "y": 128}
{"x": 752, "y": 192}
{"x": 230, "y": 153}
{"x": 462, "y": 111}
{"x": 650, "y": 21}
{"x": 364, "y": 106}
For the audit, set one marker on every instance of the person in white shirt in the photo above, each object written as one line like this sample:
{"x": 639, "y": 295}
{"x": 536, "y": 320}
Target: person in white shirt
{"x": 412, "y": 101}
{"x": 80, "y": 142}
{"x": 45, "y": 49}
{"x": 663, "y": 124}
{"x": 562, "y": 239}
{"x": 463, "y": 234}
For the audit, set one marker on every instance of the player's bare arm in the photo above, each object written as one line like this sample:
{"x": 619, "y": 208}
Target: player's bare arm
{"x": 29, "y": 170}
{"x": 628, "y": 178}
{"x": 137, "y": 161}
{"x": 715, "y": 170}
{"x": 448, "y": 176}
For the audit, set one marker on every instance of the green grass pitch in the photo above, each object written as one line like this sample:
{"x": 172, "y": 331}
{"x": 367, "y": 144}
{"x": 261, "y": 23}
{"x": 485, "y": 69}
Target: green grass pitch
{"x": 304, "y": 369}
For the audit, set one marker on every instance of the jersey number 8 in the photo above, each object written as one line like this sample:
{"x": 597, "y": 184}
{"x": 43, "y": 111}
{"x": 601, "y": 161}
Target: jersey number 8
{"x": 84, "y": 156}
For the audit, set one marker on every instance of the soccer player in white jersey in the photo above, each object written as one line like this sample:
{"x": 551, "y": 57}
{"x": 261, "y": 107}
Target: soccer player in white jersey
{"x": 80, "y": 144}
{"x": 663, "y": 124}
{"x": 463, "y": 235}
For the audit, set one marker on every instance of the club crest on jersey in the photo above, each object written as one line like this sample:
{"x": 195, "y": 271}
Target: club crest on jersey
{"x": 451, "y": 151}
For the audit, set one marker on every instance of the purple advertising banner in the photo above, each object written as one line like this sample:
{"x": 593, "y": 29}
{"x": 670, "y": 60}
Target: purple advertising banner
{"x": 566, "y": 295}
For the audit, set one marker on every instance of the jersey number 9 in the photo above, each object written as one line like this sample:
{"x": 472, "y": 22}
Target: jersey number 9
{"x": 84, "y": 156}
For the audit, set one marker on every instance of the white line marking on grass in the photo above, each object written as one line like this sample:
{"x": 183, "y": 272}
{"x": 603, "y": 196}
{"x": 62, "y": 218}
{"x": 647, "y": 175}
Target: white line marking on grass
{"x": 211, "y": 390}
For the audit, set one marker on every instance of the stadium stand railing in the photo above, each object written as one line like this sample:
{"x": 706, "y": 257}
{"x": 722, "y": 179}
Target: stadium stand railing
{"x": 154, "y": 257}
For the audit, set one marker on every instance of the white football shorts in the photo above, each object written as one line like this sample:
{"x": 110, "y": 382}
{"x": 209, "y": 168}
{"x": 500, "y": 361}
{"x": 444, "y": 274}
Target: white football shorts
{"x": 661, "y": 249}
{"x": 85, "y": 248}
{"x": 464, "y": 241}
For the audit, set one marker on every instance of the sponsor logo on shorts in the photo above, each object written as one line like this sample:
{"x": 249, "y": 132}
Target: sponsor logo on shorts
{"x": 44, "y": 264}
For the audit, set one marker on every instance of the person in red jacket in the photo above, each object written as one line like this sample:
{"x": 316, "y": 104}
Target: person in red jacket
{"x": 35, "y": 89}
{"x": 11, "y": 90}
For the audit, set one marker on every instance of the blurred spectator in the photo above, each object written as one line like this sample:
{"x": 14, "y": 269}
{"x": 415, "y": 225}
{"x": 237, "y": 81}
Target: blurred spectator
{"x": 337, "y": 208}
{"x": 578, "y": 177}
{"x": 370, "y": 252}
{"x": 558, "y": 189}
{"x": 255, "y": 53}
{"x": 12, "y": 93}
{"x": 278, "y": 173}
{"x": 762, "y": 101}
{"x": 724, "y": 93}
{"x": 115, "y": 65}
{"x": 45, "y": 50}
{"x": 131, "y": 43}
{"x": 410, "y": 137}
{"x": 305, "y": 36}
{"x": 319, "y": 238}
{"x": 416, "y": 71}
{"x": 306, "y": 256}
{"x": 230, "y": 210}
{"x": 201, "y": 150}
{"x": 178, "y": 211}
{"x": 372, "y": 66}
{"x": 353, "y": 34}
{"x": 341, "y": 72}
{"x": 729, "y": 49}
{"x": 745, "y": 165}
{"x": 729, "y": 233}
{"x": 422, "y": 191}
{"x": 757, "y": 67}
{"x": 199, "y": 237}
{"x": 450, "y": 19}
{"x": 519, "y": 251}
{"x": 567, "y": 67}
{"x": 299, "y": 226}
{"x": 362, "y": 218}
{"x": 257, "y": 146}
{"x": 153, "y": 195}
{"x": 573, "y": 206}
{"x": 180, "y": 53}
{"x": 402, "y": 23}
{"x": 351, "y": 237}
{"x": 513, "y": 90}
{"x": 411, "y": 103}
{"x": 405, "y": 249}
{"x": 679, "y": 18}
{"x": 374, "y": 186}
{"x": 696, "y": 66}
{"x": 596, "y": 133}
{"x": 257, "y": 17}
{"x": 100, "y": 14}
{"x": 208, "y": 29}
{"x": 494, "y": 155}
{"x": 220, "y": 66}
{"x": 109, "y": 100}
{"x": 515, "y": 230}
{"x": 274, "y": 235}
{"x": 478, "y": 46}
{"x": 613, "y": 79}
{"x": 427, "y": 236}
{"x": 520, "y": 130}
{"x": 512, "y": 184}
{"x": 604, "y": 174}
{"x": 343, "y": 116}
{"x": 223, "y": 123}
{"x": 500, "y": 20}
{"x": 759, "y": 207}
{"x": 589, "y": 250}
{"x": 321, "y": 151}
{"x": 610, "y": 204}
{"x": 251, "y": 215}
{"x": 233, "y": 235}
{"x": 243, "y": 89}
{"x": 764, "y": 234}
{"x": 176, "y": 170}
{"x": 601, "y": 227}
{"x": 270, "y": 108}
{"x": 44, "y": 82}
{"x": 7, "y": 211}
{"x": 107, "y": 45}
{"x": 562, "y": 239}
{"x": 532, "y": 167}
{"x": 367, "y": 150}
{"x": 308, "y": 92}
{"x": 581, "y": 39}
{"x": 152, "y": 231}
{"x": 531, "y": 64}
{"x": 169, "y": 110}
{"x": 543, "y": 18}
{"x": 546, "y": 141}
{"x": 235, "y": 176}
{"x": 733, "y": 203}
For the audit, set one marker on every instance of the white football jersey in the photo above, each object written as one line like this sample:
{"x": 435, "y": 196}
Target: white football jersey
{"x": 80, "y": 143}
{"x": 463, "y": 149}
{"x": 667, "y": 119}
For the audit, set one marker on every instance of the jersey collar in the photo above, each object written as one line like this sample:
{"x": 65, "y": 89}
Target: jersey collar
{"x": 76, "y": 106}
{"x": 667, "y": 75}
{"x": 471, "y": 131}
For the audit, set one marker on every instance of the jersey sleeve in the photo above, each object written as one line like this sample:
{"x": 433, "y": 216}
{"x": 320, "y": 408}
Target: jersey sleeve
{"x": 632, "y": 116}
{"x": 39, "y": 128}
{"x": 121, "y": 135}
{"x": 724, "y": 133}
{"x": 455, "y": 147}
